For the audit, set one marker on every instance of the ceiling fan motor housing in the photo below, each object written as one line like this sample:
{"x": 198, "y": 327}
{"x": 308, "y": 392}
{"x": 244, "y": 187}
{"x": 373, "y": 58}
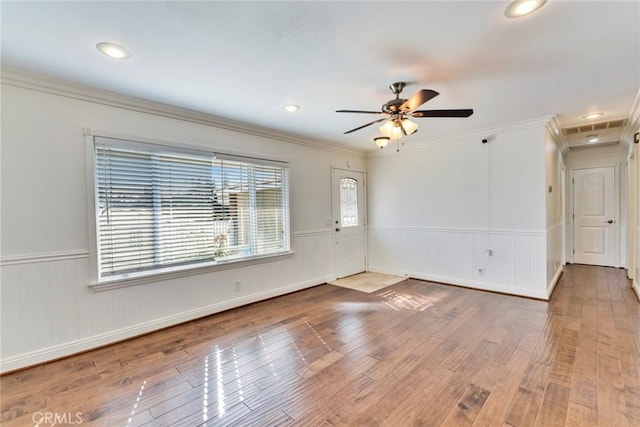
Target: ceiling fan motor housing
{"x": 393, "y": 106}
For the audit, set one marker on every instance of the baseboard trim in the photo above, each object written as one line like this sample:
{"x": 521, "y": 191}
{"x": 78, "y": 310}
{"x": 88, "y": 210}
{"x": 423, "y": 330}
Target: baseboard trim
{"x": 554, "y": 281}
{"x": 636, "y": 288}
{"x": 67, "y": 349}
{"x": 466, "y": 283}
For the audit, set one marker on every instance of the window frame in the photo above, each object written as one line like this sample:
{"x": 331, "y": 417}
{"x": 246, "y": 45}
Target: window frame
{"x": 153, "y": 275}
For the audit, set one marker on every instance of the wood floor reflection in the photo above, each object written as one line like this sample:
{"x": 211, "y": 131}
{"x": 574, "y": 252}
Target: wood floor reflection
{"x": 416, "y": 353}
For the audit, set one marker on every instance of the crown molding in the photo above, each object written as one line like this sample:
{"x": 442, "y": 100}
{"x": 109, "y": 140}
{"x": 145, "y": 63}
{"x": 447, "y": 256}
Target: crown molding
{"x": 414, "y": 145}
{"x": 46, "y": 84}
{"x": 632, "y": 126}
{"x": 555, "y": 129}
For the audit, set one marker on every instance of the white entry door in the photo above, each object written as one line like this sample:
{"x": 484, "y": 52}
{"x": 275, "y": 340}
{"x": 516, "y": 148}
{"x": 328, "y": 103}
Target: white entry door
{"x": 594, "y": 216}
{"x": 348, "y": 222}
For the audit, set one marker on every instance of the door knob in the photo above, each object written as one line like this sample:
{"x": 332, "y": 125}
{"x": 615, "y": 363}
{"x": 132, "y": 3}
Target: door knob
{"x": 337, "y": 229}
{"x": 610, "y": 221}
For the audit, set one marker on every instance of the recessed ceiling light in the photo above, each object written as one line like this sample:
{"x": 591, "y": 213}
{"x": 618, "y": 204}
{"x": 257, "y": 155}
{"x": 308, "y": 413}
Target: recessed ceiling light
{"x": 523, "y": 7}
{"x": 593, "y": 138}
{"x": 292, "y": 108}
{"x": 113, "y": 50}
{"x": 592, "y": 116}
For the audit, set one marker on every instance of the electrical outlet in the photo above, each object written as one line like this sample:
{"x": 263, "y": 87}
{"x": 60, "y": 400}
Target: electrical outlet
{"x": 237, "y": 287}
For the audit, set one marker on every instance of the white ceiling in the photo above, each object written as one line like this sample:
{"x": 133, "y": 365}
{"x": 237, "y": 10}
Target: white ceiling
{"x": 246, "y": 60}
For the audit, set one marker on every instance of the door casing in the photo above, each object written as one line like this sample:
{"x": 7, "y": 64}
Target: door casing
{"x": 335, "y": 215}
{"x": 616, "y": 212}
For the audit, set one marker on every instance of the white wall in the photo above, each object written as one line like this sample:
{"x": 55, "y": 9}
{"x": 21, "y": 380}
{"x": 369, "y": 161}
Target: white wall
{"x": 633, "y": 126}
{"x": 634, "y": 216}
{"x": 47, "y": 309}
{"x": 435, "y": 210}
{"x": 635, "y": 226}
{"x": 554, "y": 220}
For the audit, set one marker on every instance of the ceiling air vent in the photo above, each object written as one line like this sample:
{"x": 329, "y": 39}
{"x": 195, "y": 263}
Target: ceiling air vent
{"x": 612, "y": 124}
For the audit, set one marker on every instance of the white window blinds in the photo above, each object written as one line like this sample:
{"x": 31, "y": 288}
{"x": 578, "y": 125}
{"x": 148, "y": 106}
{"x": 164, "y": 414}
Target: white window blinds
{"x": 159, "y": 209}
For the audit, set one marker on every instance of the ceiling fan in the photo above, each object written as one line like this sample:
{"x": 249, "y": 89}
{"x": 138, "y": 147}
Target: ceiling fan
{"x": 398, "y": 110}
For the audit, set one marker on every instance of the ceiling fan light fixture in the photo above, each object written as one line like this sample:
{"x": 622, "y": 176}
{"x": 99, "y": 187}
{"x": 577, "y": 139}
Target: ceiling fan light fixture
{"x": 381, "y": 141}
{"x": 391, "y": 130}
{"x": 409, "y": 126}
{"x": 520, "y": 8}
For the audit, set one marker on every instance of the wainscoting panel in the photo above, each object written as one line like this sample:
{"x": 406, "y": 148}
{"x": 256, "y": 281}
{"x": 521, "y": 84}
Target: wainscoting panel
{"x": 554, "y": 256}
{"x": 10, "y": 314}
{"x": 49, "y": 311}
{"x": 503, "y": 261}
{"x": 636, "y": 280}
{"x": 501, "y": 258}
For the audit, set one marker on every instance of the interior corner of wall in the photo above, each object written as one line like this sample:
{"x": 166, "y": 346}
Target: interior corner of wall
{"x": 636, "y": 288}
{"x": 554, "y": 281}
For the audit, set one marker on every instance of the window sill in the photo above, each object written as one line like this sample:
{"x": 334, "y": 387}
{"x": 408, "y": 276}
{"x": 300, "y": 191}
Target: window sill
{"x": 183, "y": 271}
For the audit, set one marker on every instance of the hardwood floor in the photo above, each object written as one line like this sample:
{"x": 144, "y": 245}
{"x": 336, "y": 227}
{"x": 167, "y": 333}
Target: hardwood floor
{"x": 415, "y": 353}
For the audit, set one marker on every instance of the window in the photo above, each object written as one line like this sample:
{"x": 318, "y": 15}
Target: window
{"x": 348, "y": 202}
{"x": 158, "y": 207}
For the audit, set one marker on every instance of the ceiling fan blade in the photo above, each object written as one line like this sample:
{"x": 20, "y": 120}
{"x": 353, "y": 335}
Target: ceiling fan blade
{"x": 464, "y": 112}
{"x": 364, "y": 126}
{"x": 360, "y": 111}
{"x": 418, "y": 99}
